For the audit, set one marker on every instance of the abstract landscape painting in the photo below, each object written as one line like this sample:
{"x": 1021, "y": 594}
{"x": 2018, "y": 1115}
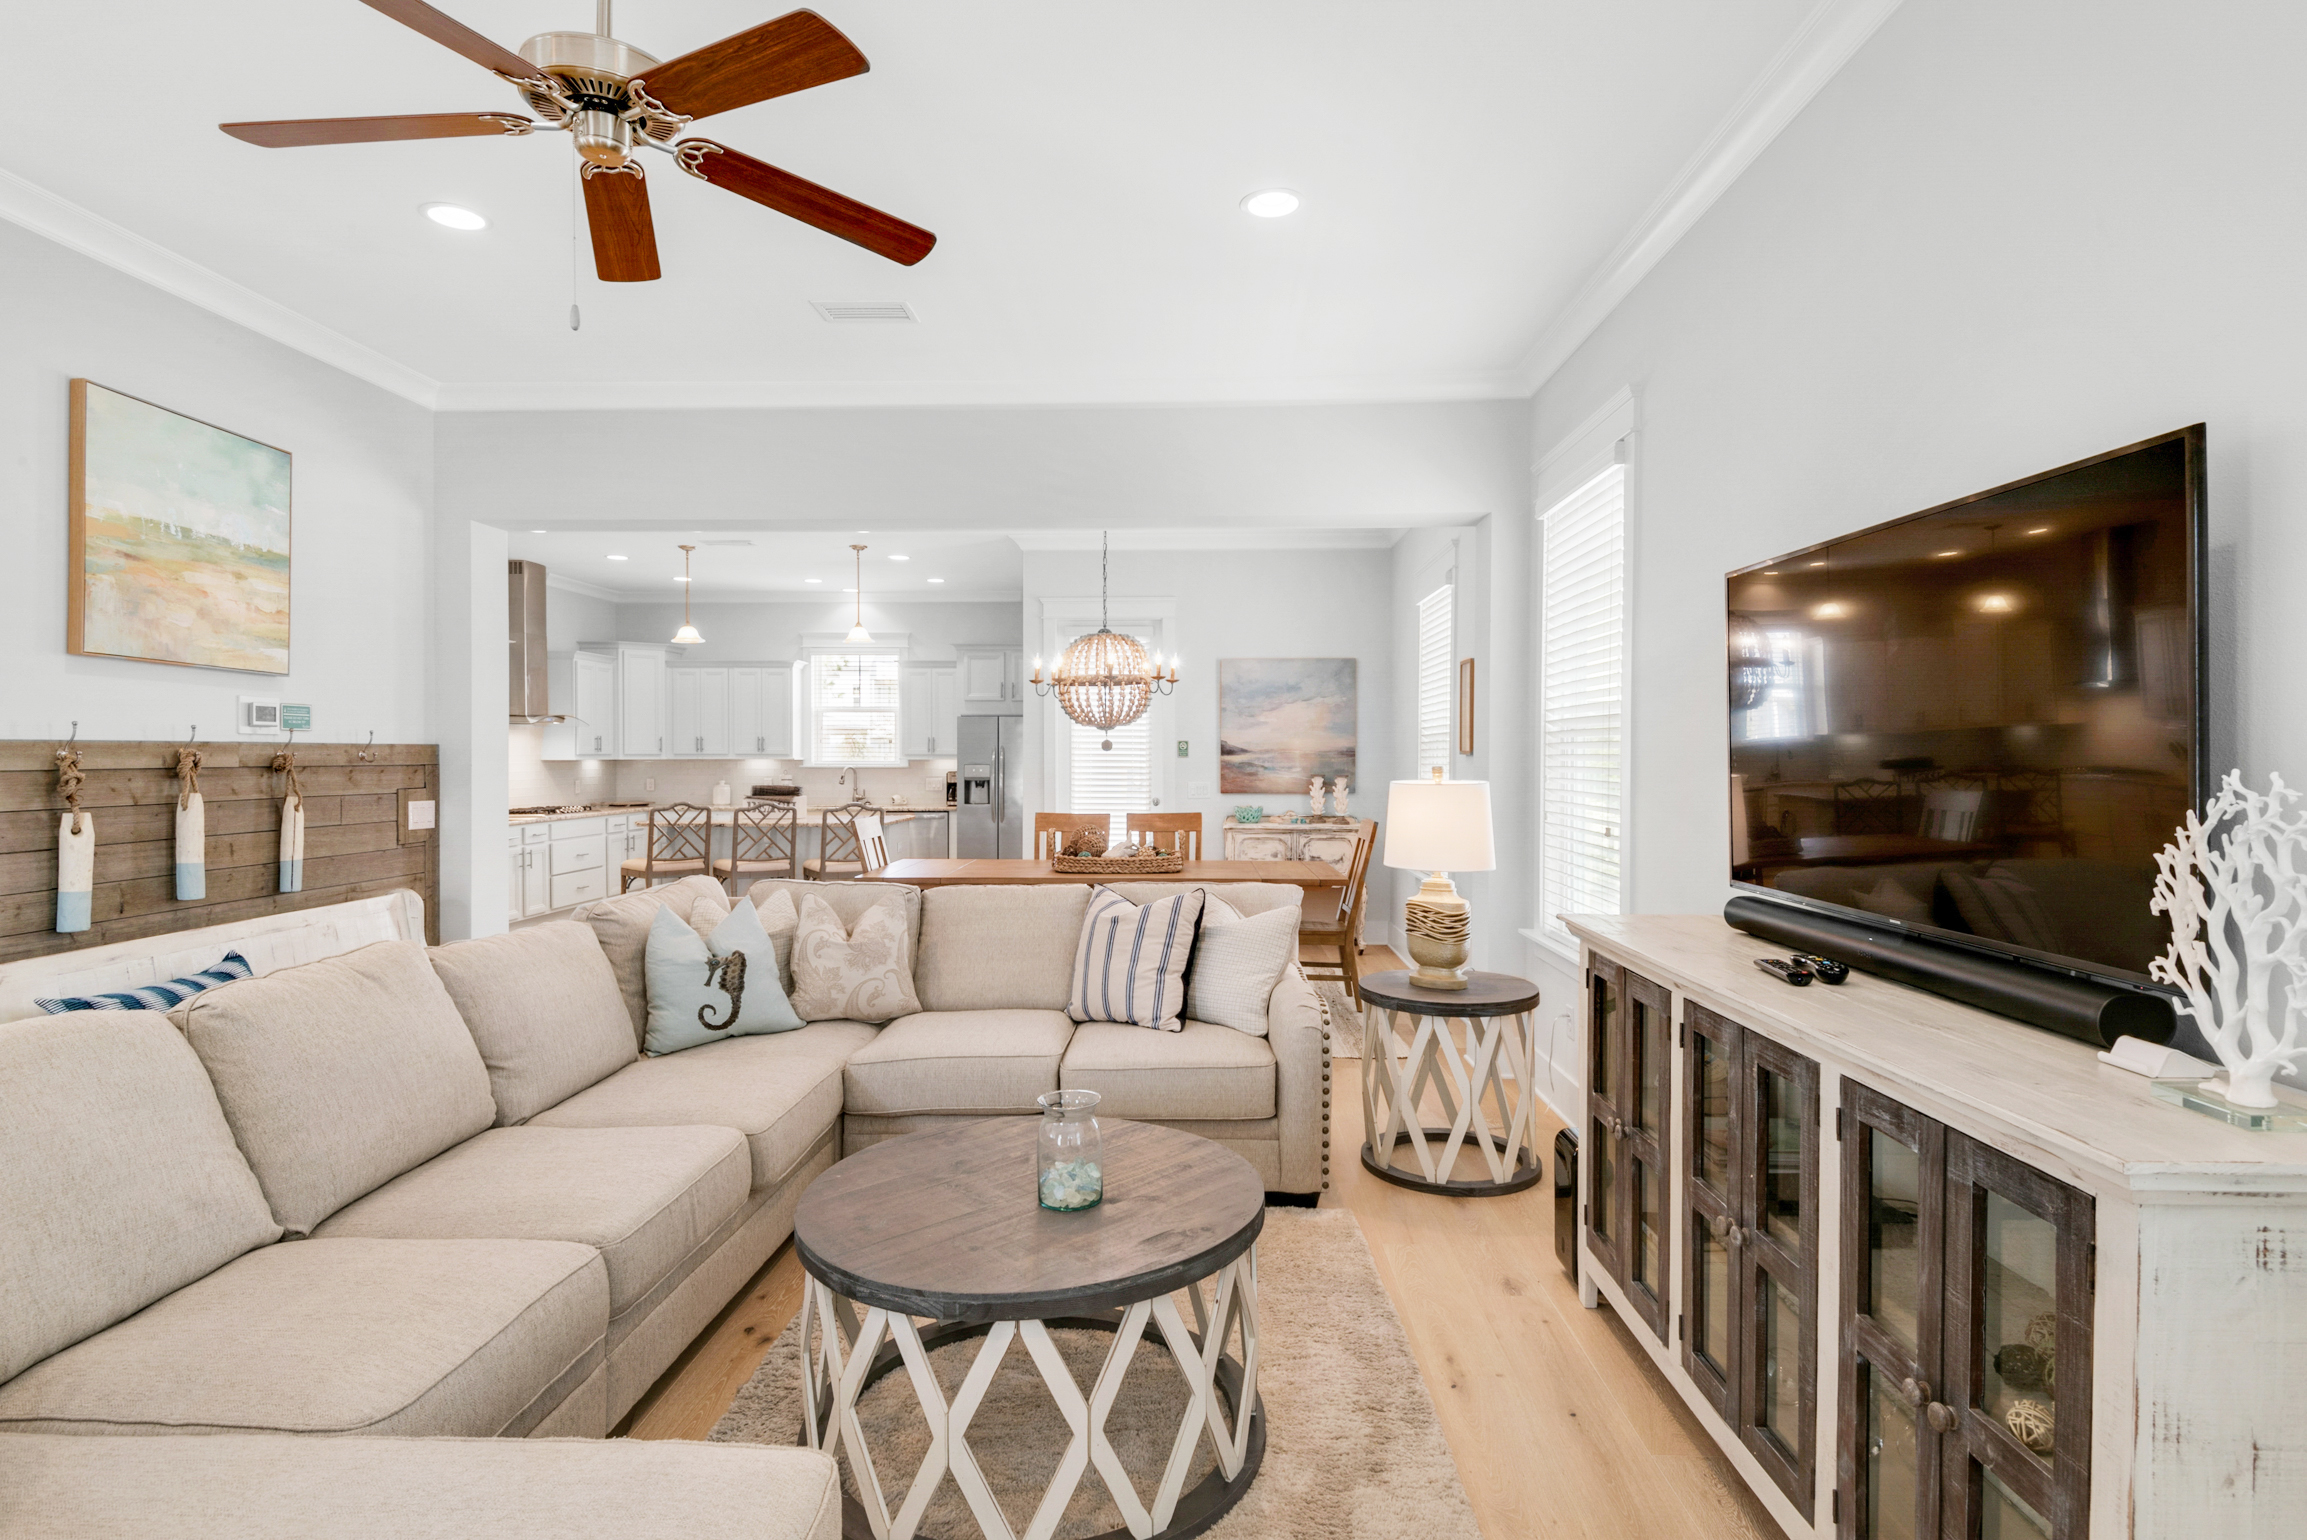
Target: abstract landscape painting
{"x": 1283, "y": 721}
{"x": 179, "y": 538}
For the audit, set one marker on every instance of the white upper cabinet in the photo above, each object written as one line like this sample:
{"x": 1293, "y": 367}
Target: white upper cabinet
{"x": 699, "y": 712}
{"x": 761, "y": 712}
{"x": 584, "y": 696}
{"x": 640, "y": 700}
{"x": 927, "y": 706}
{"x": 992, "y": 680}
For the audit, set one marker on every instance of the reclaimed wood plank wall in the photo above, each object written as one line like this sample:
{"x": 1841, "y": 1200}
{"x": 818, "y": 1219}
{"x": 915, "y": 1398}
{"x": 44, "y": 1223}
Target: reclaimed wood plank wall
{"x": 356, "y": 840}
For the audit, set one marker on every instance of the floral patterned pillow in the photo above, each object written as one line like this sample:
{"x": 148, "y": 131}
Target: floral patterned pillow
{"x": 856, "y": 975}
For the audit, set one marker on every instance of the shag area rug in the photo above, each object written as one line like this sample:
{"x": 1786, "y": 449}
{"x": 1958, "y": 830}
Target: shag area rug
{"x": 1353, "y": 1450}
{"x": 1345, "y": 1019}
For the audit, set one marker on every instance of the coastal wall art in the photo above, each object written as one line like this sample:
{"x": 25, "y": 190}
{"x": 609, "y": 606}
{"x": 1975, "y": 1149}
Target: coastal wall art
{"x": 1282, "y": 721}
{"x": 180, "y": 539}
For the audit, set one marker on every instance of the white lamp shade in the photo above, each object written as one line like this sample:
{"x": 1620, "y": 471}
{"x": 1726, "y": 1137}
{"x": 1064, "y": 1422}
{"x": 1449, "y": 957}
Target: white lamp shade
{"x": 1439, "y": 826}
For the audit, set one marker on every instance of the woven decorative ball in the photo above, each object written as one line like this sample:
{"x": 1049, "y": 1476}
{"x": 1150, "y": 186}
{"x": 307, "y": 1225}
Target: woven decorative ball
{"x": 2050, "y": 1375}
{"x": 2020, "y": 1366}
{"x": 1085, "y": 842}
{"x": 2031, "y": 1424}
{"x": 2043, "y": 1333}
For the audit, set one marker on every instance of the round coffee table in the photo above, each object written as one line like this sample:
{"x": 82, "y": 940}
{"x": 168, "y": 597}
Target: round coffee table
{"x": 945, "y": 1225}
{"x": 1497, "y": 1017}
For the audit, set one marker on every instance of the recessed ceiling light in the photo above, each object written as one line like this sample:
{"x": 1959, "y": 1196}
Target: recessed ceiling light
{"x": 1272, "y": 203}
{"x": 1831, "y": 610}
{"x": 1770, "y": 574}
{"x": 616, "y": 558}
{"x": 1947, "y": 553}
{"x": 812, "y": 580}
{"x": 2046, "y": 529}
{"x": 454, "y": 216}
{"x": 536, "y": 532}
{"x": 1818, "y": 564}
{"x": 849, "y": 590}
{"x": 937, "y": 580}
{"x": 679, "y": 579}
{"x": 900, "y": 558}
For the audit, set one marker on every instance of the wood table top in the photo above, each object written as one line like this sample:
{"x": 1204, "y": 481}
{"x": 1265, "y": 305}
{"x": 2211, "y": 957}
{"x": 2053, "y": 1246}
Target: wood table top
{"x": 946, "y": 1224}
{"x": 1485, "y": 994}
{"x": 942, "y": 872}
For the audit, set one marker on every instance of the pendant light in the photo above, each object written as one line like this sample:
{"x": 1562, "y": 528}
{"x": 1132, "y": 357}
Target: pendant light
{"x": 857, "y": 632}
{"x": 687, "y": 636}
{"x": 1106, "y": 680}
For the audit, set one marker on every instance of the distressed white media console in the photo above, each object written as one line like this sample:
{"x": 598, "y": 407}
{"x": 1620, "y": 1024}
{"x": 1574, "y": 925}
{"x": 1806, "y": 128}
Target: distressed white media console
{"x": 1925, "y": 1271}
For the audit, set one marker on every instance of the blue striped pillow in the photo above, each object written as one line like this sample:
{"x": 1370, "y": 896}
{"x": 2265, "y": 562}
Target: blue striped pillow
{"x": 1131, "y": 964}
{"x": 155, "y": 997}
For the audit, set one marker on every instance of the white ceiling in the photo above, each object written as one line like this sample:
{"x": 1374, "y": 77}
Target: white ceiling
{"x": 753, "y": 565}
{"x": 1471, "y": 173}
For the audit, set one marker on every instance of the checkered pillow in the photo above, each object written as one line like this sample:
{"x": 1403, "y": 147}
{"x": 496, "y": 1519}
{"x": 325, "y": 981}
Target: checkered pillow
{"x": 155, "y": 997}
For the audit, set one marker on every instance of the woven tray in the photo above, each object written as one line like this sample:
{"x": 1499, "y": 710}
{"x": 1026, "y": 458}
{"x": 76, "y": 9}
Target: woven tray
{"x": 1169, "y": 864}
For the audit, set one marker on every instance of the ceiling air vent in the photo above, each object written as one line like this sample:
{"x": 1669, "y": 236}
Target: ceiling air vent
{"x": 724, "y": 542}
{"x": 863, "y": 310}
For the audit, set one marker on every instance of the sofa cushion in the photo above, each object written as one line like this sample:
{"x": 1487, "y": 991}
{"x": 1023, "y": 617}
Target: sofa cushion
{"x": 339, "y": 1075}
{"x": 780, "y": 1092}
{"x": 998, "y": 948}
{"x": 644, "y": 1198}
{"x": 849, "y": 900}
{"x": 704, "y": 988}
{"x": 120, "y": 1182}
{"x": 253, "y": 1486}
{"x": 1246, "y": 897}
{"x": 861, "y": 971}
{"x": 543, "y": 1006}
{"x": 1130, "y": 961}
{"x": 621, "y": 925}
{"x": 1238, "y": 959}
{"x": 958, "y": 1061}
{"x": 338, "y": 1336}
{"x": 1202, "y": 1070}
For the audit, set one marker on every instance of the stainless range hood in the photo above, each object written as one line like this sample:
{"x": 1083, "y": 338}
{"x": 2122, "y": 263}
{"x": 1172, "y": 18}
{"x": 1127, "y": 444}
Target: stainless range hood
{"x": 530, "y": 693}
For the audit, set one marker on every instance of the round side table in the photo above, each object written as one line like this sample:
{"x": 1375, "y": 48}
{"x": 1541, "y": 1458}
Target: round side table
{"x": 1462, "y": 1043}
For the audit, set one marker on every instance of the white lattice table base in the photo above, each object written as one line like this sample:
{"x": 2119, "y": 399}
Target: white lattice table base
{"x": 1471, "y": 1064}
{"x": 847, "y": 1348}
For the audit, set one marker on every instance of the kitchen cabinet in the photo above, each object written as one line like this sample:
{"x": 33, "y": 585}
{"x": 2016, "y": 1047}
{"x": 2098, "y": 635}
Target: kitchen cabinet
{"x": 761, "y": 711}
{"x": 532, "y": 884}
{"x": 1629, "y": 1061}
{"x": 698, "y": 712}
{"x": 515, "y": 870}
{"x": 1750, "y": 1194}
{"x": 992, "y": 680}
{"x": 1966, "y": 1334}
{"x": 583, "y": 688}
{"x": 927, "y": 706}
{"x": 637, "y": 706}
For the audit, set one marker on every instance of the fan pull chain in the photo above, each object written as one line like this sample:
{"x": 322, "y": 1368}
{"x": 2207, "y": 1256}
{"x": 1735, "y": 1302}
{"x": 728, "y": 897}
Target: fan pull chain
{"x": 576, "y": 276}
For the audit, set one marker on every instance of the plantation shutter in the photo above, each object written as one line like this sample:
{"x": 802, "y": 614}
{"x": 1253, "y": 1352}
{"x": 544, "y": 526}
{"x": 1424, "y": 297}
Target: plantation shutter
{"x": 1119, "y": 782}
{"x": 853, "y": 708}
{"x": 1581, "y": 798}
{"x": 1436, "y": 613}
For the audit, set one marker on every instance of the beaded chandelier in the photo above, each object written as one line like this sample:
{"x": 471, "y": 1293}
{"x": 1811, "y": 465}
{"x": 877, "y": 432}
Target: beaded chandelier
{"x": 1105, "y": 680}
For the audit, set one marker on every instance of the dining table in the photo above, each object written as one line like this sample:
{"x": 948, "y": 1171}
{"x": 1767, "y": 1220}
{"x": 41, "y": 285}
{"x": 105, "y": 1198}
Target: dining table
{"x": 925, "y": 872}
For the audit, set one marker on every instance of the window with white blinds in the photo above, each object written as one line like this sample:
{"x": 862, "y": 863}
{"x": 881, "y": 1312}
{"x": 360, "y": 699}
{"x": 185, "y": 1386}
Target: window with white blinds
{"x": 1437, "y": 613}
{"x": 1582, "y": 704}
{"x": 1117, "y": 782}
{"x": 853, "y": 708}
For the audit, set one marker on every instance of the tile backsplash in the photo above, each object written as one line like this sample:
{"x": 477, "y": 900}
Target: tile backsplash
{"x": 692, "y": 780}
{"x": 531, "y": 780}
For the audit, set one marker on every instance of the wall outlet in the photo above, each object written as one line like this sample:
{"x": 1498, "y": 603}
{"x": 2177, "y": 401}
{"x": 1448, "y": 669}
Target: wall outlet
{"x": 1203, "y": 789}
{"x": 649, "y": 785}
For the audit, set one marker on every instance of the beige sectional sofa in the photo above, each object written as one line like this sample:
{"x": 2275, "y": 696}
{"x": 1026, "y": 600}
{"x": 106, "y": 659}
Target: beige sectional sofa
{"x": 397, "y": 1193}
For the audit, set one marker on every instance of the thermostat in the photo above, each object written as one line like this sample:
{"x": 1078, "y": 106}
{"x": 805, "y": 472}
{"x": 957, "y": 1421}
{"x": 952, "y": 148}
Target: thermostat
{"x": 259, "y": 714}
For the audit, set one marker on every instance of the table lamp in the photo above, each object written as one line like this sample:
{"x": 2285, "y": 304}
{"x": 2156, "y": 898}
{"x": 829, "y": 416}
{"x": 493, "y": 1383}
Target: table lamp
{"x": 1438, "y": 827}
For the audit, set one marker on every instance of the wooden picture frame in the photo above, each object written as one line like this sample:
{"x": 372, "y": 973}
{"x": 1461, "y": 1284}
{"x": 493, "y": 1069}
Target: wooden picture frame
{"x": 1465, "y": 705}
{"x": 180, "y": 538}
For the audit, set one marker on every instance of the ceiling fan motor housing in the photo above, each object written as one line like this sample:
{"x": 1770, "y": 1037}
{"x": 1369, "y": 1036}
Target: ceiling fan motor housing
{"x": 595, "y": 75}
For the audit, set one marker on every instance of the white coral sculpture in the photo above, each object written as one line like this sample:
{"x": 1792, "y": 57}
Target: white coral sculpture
{"x": 2234, "y": 882}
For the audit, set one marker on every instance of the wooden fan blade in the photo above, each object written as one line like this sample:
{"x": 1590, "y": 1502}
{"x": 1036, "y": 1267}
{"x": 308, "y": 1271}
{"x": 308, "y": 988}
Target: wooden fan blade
{"x": 624, "y": 236}
{"x": 287, "y": 133}
{"x": 796, "y": 51}
{"x": 861, "y": 224}
{"x": 453, "y": 34}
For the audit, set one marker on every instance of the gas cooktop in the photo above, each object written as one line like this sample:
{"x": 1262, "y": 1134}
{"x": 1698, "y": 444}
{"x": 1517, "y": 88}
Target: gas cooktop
{"x": 573, "y": 807}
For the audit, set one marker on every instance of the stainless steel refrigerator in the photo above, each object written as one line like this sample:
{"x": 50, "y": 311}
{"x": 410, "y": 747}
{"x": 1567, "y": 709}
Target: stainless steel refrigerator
{"x": 989, "y": 814}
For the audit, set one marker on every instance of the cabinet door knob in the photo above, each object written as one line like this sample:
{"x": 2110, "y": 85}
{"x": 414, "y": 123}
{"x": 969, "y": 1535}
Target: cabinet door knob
{"x": 1719, "y": 1226}
{"x": 1915, "y": 1391}
{"x": 1734, "y": 1237}
{"x": 1942, "y": 1417}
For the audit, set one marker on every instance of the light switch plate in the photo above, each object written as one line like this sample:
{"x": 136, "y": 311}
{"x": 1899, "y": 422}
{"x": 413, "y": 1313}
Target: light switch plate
{"x": 1185, "y": 750}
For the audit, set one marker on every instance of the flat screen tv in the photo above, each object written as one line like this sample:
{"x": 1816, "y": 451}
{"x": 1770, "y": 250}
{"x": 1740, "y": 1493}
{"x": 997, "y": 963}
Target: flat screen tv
{"x": 1980, "y": 722}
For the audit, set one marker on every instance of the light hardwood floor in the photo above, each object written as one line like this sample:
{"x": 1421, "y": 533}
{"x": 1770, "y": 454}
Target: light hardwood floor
{"x": 1561, "y": 1428}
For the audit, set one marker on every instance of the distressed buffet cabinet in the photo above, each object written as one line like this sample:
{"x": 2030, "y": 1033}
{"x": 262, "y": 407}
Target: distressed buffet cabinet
{"x": 1923, "y": 1271}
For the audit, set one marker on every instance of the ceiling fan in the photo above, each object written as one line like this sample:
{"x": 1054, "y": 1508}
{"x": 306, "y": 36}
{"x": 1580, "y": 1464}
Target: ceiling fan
{"x": 613, "y": 100}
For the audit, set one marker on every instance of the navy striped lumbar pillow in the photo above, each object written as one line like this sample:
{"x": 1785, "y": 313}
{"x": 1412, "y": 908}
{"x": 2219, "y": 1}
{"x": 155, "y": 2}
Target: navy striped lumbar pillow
{"x": 1131, "y": 965}
{"x": 155, "y": 997}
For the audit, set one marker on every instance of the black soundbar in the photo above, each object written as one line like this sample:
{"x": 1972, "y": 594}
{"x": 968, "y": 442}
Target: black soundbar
{"x": 2092, "y": 1012}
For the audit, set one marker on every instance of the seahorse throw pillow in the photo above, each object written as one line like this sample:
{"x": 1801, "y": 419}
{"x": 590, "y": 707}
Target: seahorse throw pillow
{"x": 863, "y": 974}
{"x": 704, "y": 988}
{"x": 1130, "y": 965}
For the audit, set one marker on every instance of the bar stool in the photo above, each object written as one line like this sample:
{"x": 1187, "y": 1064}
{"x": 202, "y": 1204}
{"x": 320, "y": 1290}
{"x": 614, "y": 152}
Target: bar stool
{"x": 680, "y": 840}
{"x": 764, "y": 840}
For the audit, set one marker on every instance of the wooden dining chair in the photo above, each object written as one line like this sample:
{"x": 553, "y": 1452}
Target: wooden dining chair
{"x": 872, "y": 842}
{"x": 1331, "y": 918}
{"x": 1050, "y": 830}
{"x": 839, "y": 857}
{"x": 1181, "y": 832}
{"x": 764, "y": 839}
{"x": 680, "y": 843}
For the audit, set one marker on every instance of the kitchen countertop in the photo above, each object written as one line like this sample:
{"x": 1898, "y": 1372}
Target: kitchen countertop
{"x": 721, "y": 814}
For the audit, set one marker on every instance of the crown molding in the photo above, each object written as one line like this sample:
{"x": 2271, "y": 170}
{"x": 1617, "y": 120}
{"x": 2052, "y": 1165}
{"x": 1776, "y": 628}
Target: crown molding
{"x": 68, "y": 224}
{"x": 1812, "y": 57}
{"x": 1232, "y": 539}
{"x": 570, "y": 585}
{"x": 688, "y": 395}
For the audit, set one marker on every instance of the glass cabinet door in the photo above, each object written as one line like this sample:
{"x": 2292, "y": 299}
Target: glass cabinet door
{"x": 1892, "y": 1164}
{"x": 1709, "y": 1191}
{"x": 1643, "y": 1142}
{"x": 1774, "y": 1250}
{"x": 2017, "y": 1348}
{"x": 1605, "y": 1114}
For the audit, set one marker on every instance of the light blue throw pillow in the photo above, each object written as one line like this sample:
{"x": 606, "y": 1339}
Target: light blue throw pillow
{"x": 706, "y": 988}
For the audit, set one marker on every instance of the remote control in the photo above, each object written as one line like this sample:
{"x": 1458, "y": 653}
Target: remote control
{"x": 1792, "y": 973}
{"x": 1828, "y": 970}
